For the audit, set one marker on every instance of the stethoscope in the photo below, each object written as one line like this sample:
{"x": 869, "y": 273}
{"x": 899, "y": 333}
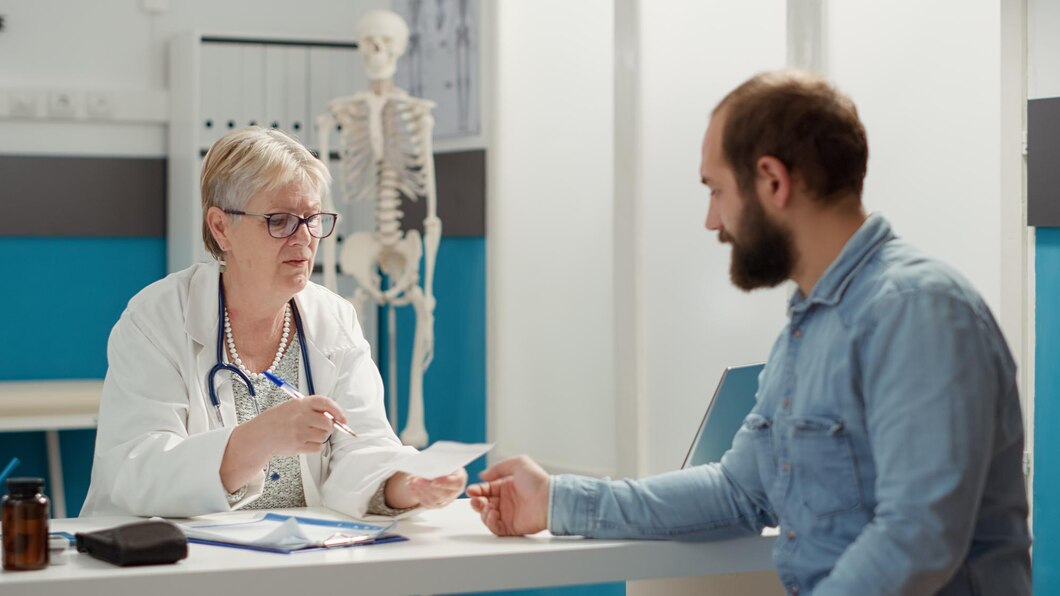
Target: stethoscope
{"x": 222, "y": 365}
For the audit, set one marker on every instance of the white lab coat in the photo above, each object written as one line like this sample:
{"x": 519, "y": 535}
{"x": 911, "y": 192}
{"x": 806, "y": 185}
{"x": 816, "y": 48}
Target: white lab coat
{"x": 159, "y": 446}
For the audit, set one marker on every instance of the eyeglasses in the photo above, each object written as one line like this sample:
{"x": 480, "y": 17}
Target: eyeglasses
{"x": 284, "y": 225}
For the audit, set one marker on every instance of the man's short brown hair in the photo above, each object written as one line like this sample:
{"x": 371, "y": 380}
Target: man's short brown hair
{"x": 804, "y": 122}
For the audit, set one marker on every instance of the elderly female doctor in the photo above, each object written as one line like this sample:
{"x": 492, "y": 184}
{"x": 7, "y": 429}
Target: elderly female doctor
{"x": 181, "y": 432}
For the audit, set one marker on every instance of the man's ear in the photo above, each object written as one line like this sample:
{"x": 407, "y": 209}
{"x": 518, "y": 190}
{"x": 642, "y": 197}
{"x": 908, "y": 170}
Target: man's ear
{"x": 774, "y": 182}
{"x": 218, "y": 222}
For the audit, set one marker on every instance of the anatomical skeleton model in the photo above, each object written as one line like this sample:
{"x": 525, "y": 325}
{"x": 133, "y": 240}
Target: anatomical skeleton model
{"x": 386, "y": 154}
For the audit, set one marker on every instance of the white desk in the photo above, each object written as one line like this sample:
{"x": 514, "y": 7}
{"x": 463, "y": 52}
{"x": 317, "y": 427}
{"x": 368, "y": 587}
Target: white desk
{"x": 448, "y": 551}
{"x": 50, "y": 406}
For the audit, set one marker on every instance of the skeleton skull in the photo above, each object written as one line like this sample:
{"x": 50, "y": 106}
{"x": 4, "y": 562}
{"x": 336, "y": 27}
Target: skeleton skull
{"x": 382, "y": 37}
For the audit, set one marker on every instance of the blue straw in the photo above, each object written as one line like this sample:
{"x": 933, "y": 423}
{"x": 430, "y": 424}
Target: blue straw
{"x": 10, "y": 468}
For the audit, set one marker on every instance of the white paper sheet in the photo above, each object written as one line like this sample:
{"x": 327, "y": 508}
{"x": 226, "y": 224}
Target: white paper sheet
{"x": 282, "y": 533}
{"x": 441, "y": 459}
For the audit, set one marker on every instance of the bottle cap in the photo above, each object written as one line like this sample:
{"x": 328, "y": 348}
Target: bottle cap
{"x": 24, "y": 487}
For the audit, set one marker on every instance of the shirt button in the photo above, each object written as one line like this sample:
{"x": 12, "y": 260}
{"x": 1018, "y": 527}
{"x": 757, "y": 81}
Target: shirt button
{"x": 794, "y": 591}
{"x": 791, "y": 535}
{"x": 785, "y": 467}
{"x": 797, "y": 332}
{"x": 787, "y": 402}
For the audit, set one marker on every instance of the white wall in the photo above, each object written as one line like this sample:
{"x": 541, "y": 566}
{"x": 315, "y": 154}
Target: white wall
{"x": 555, "y": 259}
{"x": 551, "y": 369}
{"x": 933, "y": 107}
{"x": 116, "y": 44}
{"x": 1043, "y": 49}
{"x": 926, "y": 79}
{"x": 934, "y": 171}
{"x": 695, "y": 322}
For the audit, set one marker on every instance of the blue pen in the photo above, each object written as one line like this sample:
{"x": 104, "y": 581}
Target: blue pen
{"x": 10, "y": 468}
{"x": 289, "y": 389}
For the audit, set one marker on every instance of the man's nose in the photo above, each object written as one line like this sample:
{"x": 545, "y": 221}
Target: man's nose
{"x": 713, "y": 218}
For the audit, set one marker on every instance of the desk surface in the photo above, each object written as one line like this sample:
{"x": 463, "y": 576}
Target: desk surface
{"x": 448, "y": 551}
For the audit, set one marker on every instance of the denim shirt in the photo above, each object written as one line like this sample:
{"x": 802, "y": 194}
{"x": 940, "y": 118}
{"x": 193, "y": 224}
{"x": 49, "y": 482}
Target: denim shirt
{"x": 886, "y": 443}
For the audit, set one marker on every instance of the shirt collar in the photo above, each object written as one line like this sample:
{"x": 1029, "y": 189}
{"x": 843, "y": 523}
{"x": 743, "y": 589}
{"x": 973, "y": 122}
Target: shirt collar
{"x": 829, "y": 289}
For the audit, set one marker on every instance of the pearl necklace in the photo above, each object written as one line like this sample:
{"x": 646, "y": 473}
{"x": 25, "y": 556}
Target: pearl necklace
{"x": 279, "y": 351}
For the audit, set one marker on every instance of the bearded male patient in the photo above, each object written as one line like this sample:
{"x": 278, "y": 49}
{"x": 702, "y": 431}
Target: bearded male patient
{"x": 886, "y": 441}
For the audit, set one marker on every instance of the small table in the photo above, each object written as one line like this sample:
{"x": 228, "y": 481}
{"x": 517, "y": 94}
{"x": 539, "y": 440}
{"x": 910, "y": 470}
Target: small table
{"x": 50, "y": 406}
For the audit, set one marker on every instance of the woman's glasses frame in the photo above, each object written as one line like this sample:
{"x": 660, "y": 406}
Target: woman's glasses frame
{"x": 284, "y": 225}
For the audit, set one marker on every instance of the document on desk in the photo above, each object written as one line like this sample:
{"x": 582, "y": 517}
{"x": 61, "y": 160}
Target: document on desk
{"x": 441, "y": 459}
{"x": 277, "y": 533}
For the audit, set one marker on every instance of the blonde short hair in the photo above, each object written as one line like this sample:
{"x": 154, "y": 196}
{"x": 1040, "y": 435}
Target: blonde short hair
{"x": 252, "y": 160}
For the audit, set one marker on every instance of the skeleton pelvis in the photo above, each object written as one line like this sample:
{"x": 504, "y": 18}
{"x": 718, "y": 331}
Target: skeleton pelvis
{"x": 365, "y": 257}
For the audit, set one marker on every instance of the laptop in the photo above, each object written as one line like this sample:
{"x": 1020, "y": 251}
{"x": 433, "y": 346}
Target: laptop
{"x": 732, "y": 402}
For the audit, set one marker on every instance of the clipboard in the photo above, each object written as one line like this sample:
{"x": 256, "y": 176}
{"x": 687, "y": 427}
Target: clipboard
{"x": 285, "y": 534}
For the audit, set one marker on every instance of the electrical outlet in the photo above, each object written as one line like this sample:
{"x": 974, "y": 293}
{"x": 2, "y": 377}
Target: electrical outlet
{"x": 22, "y": 104}
{"x": 99, "y": 104}
{"x": 62, "y": 104}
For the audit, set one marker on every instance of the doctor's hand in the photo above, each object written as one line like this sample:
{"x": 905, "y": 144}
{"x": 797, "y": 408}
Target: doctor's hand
{"x": 297, "y": 425}
{"x": 514, "y": 499}
{"x": 293, "y": 427}
{"x": 438, "y": 492}
{"x": 404, "y": 490}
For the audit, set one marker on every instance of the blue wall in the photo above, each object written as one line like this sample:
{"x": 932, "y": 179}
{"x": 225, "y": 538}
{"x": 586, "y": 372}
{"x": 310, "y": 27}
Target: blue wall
{"x": 63, "y": 295}
{"x": 455, "y": 383}
{"x": 52, "y": 283}
{"x": 1046, "y": 550}
{"x": 90, "y": 280}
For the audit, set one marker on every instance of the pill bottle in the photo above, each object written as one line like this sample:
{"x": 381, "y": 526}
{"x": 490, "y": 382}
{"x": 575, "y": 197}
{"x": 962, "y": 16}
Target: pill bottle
{"x": 24, "y": 523}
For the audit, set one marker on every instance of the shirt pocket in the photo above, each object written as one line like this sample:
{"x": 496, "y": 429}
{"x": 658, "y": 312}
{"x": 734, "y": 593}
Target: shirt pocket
{"x": 826, "y": 470}
{"x": 761, "y": 428}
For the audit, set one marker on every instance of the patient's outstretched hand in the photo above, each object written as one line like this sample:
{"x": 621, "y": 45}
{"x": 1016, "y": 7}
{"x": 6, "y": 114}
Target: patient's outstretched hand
{"x": 513, "y": 500}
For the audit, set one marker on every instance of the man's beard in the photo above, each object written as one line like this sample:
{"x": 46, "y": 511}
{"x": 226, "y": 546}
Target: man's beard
{"x": 763, "y": 253}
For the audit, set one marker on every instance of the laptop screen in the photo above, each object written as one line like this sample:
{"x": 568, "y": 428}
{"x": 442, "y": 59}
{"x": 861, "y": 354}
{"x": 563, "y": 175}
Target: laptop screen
{"x": 732, "y": 402}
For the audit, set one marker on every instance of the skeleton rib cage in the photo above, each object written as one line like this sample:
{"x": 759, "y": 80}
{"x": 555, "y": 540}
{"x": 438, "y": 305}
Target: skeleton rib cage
{"x": 386, "y": 163}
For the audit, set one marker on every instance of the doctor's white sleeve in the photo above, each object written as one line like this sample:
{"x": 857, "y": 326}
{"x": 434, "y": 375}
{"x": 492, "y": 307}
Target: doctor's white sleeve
{"x": 146, "y": 462}
{"x": 359, "y": 465}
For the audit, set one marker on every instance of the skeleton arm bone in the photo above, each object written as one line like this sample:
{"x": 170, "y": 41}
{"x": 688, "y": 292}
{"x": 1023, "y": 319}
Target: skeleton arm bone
{"x": 432, "y": 226}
